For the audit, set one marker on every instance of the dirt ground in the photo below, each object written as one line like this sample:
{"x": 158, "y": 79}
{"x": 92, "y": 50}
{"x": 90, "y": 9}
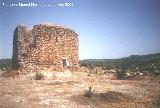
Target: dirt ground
{"x": 66, "y": 90}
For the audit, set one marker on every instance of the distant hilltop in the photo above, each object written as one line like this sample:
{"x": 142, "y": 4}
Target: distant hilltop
{"x": 143, "y": 63}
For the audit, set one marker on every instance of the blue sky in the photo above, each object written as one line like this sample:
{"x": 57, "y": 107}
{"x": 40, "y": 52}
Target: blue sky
{"x": 106, "y": 28}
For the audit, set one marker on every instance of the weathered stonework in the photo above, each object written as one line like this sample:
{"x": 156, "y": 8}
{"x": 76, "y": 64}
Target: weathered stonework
{"x": 45, "y": 46}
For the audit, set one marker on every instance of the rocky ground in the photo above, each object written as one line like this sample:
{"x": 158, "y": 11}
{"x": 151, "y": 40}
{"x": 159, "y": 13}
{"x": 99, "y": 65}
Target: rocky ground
{"x": 67, "y": 89}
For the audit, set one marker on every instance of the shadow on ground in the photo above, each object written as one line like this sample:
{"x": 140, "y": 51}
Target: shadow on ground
{"x": 109, "y": 97}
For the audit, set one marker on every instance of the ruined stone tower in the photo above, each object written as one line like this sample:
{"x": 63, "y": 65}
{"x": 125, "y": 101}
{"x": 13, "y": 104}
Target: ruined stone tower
{"x": 45, "y": 46}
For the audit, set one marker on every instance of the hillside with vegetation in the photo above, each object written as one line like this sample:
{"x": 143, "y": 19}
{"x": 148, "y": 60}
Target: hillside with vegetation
{"x": 135, "y": 63}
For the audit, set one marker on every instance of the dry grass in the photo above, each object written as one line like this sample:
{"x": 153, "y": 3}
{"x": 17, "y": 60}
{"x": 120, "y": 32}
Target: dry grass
{"x": 66, "y": 90}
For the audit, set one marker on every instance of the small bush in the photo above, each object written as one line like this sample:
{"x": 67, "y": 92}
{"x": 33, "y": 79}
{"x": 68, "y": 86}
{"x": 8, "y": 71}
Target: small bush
{"x": 120, "y": 74}
{"x": 156, "y": 72}
{"x": 89, "y": 92}
{"x": 5, "y": 67}
{"x": 5, "y": 64}
{"x": 157, "y": 100}
{"x": 39, "y": 76}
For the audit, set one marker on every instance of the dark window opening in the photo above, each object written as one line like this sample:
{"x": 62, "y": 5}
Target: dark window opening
{"x": 56, "y": 39}
{"x": 64, "y": 62}
{"x": 26, "y": 40}
{"x": 24, "y": 55}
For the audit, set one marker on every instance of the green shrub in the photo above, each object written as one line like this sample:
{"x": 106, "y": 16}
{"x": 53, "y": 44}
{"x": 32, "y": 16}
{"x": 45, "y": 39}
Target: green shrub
{"x": 157, "y": 99}
{"x": 120, "y": 74}
{"x": 5, "y": 64}
{"x": 39, "y": 76}
{"x": 5, "y": 67}
{"x": 89, "y": 92}
{"x": 156, "y": 72}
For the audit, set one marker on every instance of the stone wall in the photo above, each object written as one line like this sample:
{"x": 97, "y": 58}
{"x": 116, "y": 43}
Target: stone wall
{"x": 45, "y": 46}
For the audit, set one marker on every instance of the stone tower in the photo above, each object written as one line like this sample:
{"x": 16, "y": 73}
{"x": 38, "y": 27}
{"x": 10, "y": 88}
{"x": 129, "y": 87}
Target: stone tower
{"x": 45, "y": 46}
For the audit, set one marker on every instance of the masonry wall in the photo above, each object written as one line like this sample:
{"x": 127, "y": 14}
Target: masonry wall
{"x": 45, "y": 46}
